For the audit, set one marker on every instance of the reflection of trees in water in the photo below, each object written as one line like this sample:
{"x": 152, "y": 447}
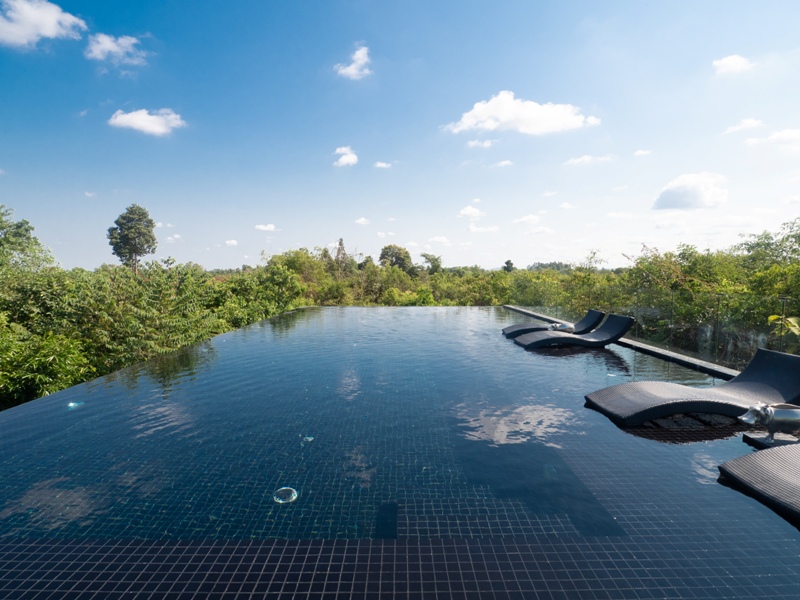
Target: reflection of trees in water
{"x": 612, "y": 362}
{"x": 285, "y": 322}
{"x": 166, "y": 369}
{"x": 359, "y": 468}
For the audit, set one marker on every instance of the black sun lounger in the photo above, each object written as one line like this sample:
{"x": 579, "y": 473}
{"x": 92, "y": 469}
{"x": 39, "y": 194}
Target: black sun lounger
{"x": 613, "y": 328}
{"x": 771, "y": 377}
{"x": 771, "y": 476}
{"x": 585, "y": 325}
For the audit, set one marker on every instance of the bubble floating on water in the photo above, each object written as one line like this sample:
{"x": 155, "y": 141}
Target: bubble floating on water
{"x": 285, "y": 495}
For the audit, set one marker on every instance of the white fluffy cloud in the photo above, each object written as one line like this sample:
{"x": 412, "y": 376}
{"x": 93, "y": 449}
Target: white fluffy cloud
{"x": 503, "y": 163}
{"x": 566, "y": 206}
{"x": 268, "y": 227}
{"x": 586, "y": 160}
{"x": 171, "y": 239}
{"x": 528, "y": 219}
{"x": 159, "y": 123}
{"x": 359, "y": 68}
{"x": 477, "y": 229}
{"x": 231, "y": 243}
{"x": 732, "y": 64}
{"x": 471, "y": 213}
{"x": 347, "y": 158}
{"x": 87, "y": 193}
{"x": 641, "y": 152}
{"x": 24, "y": 22}
{"x": 119, "y": 51}
{"x": 504, "y": 112}
{"x": 362, "y": 221}
{"x": 440, "y": 239}
{"x": 383, "y": 165}
{"x": 480, "y": 143}
{"x": 693, "y": 190}
{"x": 786, "y": 138}
{"x": 744, "y": 124}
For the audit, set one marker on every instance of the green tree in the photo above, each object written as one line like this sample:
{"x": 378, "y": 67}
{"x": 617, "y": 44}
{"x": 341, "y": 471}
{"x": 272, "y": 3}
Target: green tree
{"x": 345, "y": 264}
{"x": 32, "y": 366}
{"x": 434, "y": 262}
{"x": 508, "y": 267}
{"x": 397, "y": 256}
{"x": 18, "y": 246}
{"x": 132, "y": 236}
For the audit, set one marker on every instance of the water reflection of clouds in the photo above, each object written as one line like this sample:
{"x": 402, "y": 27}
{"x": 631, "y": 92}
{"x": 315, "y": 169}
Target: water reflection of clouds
{"x": 48, "y": 505}
{"x": 349, "y": 385}
{"x": 517, "y": 425}
{"x": 705, "y": 467}
{"x": 146, "y": 479}
{"x": 166, "y": 416}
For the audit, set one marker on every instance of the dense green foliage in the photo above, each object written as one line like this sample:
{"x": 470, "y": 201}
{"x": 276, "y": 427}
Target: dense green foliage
{"x": 60, "y": 327}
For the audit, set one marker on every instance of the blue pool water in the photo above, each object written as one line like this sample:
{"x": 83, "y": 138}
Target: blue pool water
{"x": 401, "y": 431}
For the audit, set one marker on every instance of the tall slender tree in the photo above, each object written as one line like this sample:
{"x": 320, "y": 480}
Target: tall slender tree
{"x": 132, "y": 236}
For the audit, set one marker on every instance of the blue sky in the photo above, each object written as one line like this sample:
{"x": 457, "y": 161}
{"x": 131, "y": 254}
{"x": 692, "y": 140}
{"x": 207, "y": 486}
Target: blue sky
{"x": 476, "y": 131}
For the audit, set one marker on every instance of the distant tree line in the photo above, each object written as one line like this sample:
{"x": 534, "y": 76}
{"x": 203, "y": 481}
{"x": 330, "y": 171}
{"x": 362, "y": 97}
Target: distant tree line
{"x": 60, "y": 327}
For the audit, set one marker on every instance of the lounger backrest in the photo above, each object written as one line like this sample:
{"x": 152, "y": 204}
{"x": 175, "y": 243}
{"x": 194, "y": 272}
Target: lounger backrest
{"x": 589, "y": 322}
{"x": 613, "y": 328}
{"x": 777, "y": 369}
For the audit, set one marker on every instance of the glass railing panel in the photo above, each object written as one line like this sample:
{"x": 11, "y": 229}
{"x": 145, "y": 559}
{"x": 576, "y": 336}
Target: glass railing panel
{"x": 744, "y": 327}
{"x": 792, "y": 338}
{"x": 652, "y": 311}
{"x": 726, "y": 329}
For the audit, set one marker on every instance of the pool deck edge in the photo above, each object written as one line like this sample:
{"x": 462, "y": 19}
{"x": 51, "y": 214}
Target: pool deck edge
{"x": 681, "y": 359}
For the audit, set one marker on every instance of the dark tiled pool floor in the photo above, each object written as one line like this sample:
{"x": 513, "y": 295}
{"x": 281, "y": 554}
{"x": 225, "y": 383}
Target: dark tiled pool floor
{"x": 545, "y": 566}
{"x": 502, "y": 486}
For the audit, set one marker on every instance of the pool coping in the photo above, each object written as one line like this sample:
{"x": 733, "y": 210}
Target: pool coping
{"x": 681, "y": 359}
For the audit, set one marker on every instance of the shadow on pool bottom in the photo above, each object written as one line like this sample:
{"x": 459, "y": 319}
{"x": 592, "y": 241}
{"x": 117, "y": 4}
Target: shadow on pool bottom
{"x": 536, "y": 475}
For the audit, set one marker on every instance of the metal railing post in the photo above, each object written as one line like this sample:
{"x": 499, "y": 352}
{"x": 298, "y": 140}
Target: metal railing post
{"x": 716, "y": 333}
{"x": 783, "y": 320}
{"x": 671, "y": 317}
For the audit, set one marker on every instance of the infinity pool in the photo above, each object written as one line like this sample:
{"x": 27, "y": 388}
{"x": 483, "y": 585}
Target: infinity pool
{"x": 398, "y": 453}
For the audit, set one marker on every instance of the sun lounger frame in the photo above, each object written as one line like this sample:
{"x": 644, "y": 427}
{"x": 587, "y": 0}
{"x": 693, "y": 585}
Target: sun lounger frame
{"x": 612, "y": 329}
{"x": 585, "y": 325}
{"x": 771, "y": 377}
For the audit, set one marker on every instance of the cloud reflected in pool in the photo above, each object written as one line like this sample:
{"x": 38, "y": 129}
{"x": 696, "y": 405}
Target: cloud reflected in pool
{"x": 516, "y": 425}
{"x": 53, "y": 504}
